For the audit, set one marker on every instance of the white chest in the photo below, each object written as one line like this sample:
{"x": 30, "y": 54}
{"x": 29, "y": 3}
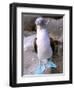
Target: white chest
{"x": 43, "y": 44}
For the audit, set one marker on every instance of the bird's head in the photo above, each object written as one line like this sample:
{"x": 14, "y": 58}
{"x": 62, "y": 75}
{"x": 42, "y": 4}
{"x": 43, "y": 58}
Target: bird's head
{"x": 41, "y": 22}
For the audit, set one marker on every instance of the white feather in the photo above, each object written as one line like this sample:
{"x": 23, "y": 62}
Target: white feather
{"x": 43, "y": 44}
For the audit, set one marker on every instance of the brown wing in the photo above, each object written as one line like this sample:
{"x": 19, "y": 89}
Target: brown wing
{"x": 55, "y": 45}
{"x": 35, "y": 45}
{"x": 52, "y": 44}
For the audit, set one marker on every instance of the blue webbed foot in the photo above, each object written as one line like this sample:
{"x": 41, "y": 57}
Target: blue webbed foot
{"x": 40, "y": 69}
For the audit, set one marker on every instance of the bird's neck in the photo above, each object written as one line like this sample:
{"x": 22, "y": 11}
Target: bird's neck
{"x": 40, "y": 27}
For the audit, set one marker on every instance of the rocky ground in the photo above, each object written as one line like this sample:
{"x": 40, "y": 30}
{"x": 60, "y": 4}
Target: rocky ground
{"x": 30, "y": 59}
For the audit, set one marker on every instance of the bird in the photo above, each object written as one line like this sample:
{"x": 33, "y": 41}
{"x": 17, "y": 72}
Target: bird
{"x": 53, "y": 44}
{"x": 43, "y": 46}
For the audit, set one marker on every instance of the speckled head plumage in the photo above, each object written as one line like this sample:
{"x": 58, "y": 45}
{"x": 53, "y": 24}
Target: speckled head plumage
{"x": 41, "y": 21}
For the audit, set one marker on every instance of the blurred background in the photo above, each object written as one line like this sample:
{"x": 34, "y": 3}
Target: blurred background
{"x": 55, "y": 29}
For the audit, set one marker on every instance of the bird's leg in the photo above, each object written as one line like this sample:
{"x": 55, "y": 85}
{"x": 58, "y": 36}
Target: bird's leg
{"x": 43, "y": 62}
